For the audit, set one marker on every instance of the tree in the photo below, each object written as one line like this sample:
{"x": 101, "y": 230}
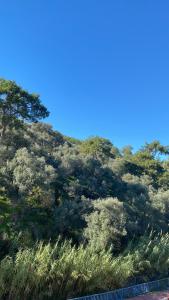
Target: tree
{"x": 99, "y": 148}
{"x": 127, "y": 151}
{"x": 43, "y": 139}
{"x": 160, "y": 200}
{"x": 156, "y": 149}
{"x": 106, "y": 224}
{"x": 29, "y": 172}
{"x": 137, "y": 205}
{"x": 148, "y": 164}
{"x": 17, "y": 106}
{"x": 69, "y": 218}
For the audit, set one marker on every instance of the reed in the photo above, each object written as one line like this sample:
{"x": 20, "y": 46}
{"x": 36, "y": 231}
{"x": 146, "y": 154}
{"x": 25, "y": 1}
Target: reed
{"x": 60, "y": 271}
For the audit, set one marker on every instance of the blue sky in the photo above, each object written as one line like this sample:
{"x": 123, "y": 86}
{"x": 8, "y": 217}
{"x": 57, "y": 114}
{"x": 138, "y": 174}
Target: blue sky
{"x": 100, "y": 66}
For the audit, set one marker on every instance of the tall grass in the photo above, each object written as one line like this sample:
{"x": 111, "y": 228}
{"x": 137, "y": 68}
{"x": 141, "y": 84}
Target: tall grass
{"x": 150, "y": 256}
{"x": 61, "y": 271}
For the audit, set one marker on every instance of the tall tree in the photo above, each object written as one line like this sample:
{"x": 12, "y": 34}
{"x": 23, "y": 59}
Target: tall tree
{"x": 17, "y": 106}
{"x": 99, "y": 148}
{"x": 156, "y": 149}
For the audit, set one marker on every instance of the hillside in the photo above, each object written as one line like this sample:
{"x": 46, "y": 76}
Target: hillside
{"x": 111, "y": 204}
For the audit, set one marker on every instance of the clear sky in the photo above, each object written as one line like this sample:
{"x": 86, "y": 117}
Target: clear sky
{"x": 100, "y": 66}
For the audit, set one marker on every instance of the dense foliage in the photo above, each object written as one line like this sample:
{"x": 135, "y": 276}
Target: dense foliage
{"x": 113, "y": 204}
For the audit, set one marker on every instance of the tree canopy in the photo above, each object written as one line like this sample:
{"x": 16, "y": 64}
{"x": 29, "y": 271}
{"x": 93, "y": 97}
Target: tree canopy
{"x": 17, "y": 105}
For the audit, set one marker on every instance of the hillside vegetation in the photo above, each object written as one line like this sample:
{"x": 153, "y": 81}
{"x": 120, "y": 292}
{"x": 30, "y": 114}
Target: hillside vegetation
{"x": 76, "y": 216}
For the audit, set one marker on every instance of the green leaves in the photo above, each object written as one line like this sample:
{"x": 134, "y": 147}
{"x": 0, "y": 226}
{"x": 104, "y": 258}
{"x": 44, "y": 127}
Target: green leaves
{"x": 17, "y": 105}
{"x": 6, "y": 213}
{"x": 99, "y": 148}
{"x": 106, "y": 224}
